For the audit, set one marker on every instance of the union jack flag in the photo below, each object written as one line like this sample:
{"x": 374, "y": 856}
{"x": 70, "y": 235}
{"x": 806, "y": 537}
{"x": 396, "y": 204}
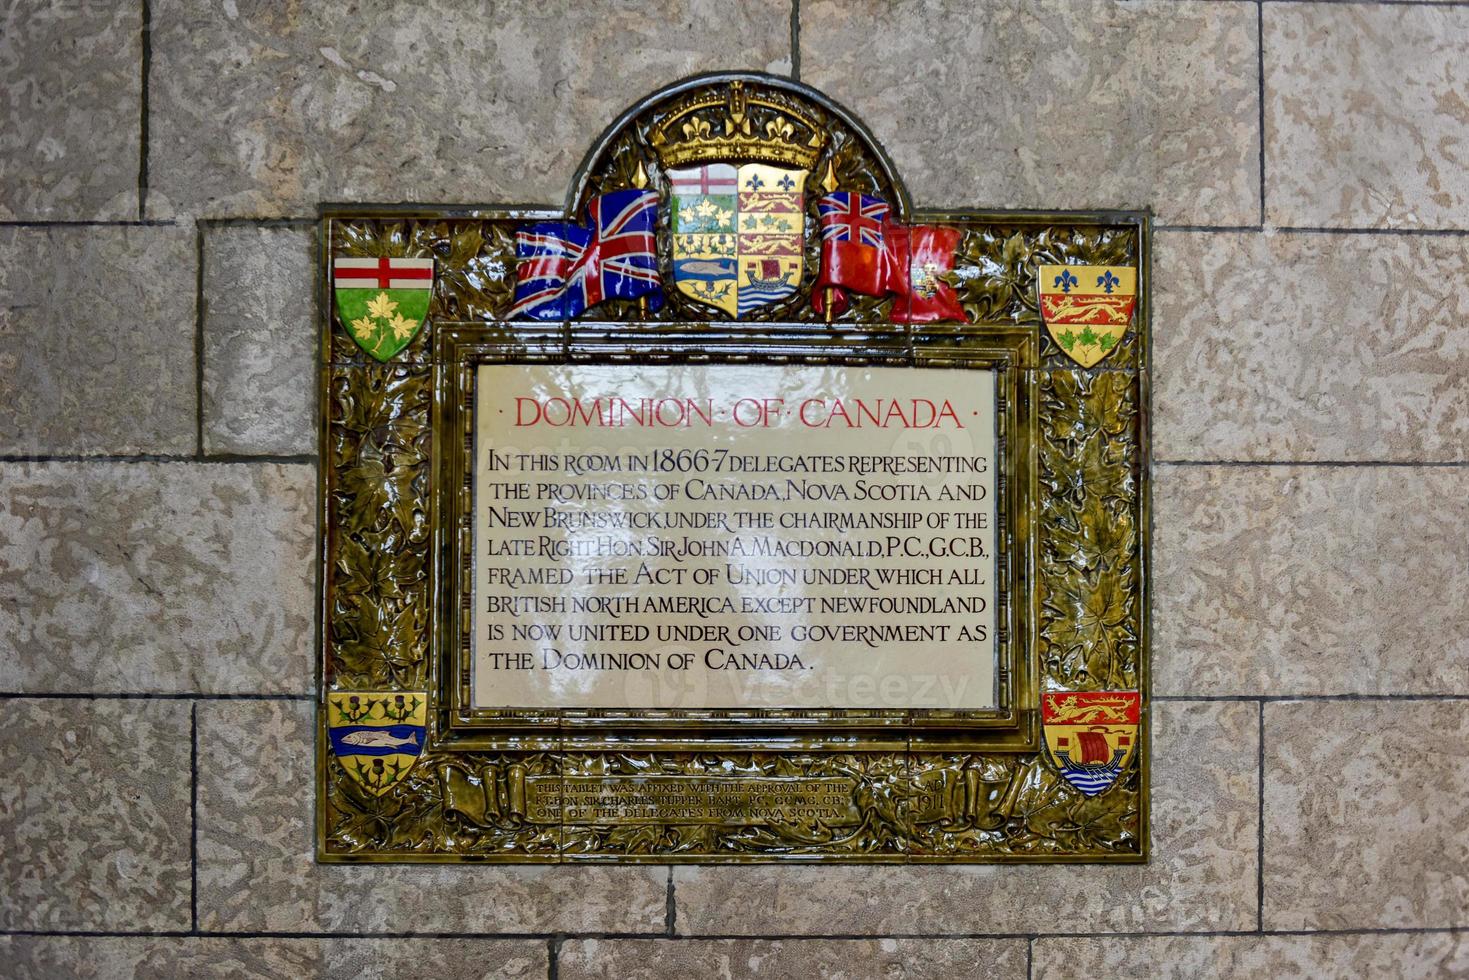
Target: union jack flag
{"x": 853, "y": 249}
{"x": 849, "y": 217}
{"x": 562, "y": 269}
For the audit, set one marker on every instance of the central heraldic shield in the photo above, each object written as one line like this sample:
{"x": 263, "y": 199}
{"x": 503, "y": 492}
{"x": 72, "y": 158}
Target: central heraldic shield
{"x": 738, "y": 233}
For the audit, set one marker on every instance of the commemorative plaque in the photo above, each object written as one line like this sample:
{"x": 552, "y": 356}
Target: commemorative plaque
{"x": 733, "y": 511}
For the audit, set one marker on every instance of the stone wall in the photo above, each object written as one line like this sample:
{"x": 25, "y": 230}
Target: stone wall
{"x": 160, "y": 164}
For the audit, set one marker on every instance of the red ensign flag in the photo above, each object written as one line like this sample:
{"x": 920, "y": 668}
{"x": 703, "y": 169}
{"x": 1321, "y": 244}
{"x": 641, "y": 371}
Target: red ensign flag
{"x": 919, "y": 255}
{"x": 864, "y": 251}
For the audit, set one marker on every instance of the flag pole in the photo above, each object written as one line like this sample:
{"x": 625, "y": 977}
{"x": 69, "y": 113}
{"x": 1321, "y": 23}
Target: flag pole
{"x": 829, "y": 184}
{"x": 640, "y": 181}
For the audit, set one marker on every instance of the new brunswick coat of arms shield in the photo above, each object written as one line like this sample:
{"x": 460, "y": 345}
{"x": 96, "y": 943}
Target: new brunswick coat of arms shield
{"x": 1091, "y": 736}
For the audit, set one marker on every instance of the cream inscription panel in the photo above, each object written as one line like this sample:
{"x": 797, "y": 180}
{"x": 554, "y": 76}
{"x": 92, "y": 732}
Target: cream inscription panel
{"x": 734, "y": 536}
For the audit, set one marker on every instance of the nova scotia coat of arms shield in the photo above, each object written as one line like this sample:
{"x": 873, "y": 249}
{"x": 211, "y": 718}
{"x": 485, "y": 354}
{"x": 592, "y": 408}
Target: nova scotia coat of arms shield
{"x": 377, "y": 736}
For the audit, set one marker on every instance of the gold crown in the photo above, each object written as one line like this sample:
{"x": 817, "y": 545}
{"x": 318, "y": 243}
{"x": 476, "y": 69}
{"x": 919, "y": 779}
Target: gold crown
{"x": 737, "y": 126}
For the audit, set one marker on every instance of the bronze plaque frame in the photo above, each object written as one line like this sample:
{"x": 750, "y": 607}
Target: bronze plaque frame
{"x": 875, "y": 786}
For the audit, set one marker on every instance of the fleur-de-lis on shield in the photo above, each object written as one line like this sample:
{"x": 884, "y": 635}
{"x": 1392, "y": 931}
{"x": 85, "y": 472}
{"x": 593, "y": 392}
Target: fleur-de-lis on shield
{"x": 1107, "y": 281}
{"x": 1065, "y": 280}
{"x": 754, "y": 183}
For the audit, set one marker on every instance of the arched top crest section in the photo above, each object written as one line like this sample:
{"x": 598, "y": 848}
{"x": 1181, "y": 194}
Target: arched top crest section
{"x": 737, "y": 117}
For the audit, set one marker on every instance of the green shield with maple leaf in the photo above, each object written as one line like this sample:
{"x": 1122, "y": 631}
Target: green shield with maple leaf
{"x": 382, "y": 302}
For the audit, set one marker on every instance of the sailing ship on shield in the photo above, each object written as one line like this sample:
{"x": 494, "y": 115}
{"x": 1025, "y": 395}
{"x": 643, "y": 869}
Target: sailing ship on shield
{"x": 1091, "y": 735}
{"x": 737, "y": 204}
{"x": 738, "y": 233}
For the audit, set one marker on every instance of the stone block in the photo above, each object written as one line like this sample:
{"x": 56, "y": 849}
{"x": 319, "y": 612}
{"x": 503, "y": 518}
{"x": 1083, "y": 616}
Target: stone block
{"x": 1053, "y": 104}
{"x": 69, "y": 142}
{"x": 94, "y": 815}
{"x": 1377, "y": 955}
{"x": 1366, "y": 124}
{"x": 157, "y": 577}
{"x": 1365, "y": 808}
{"x": 260, "y": 340}
{"x": 778, "y": 959}
{"x": 265, "y": 110}
{"x": 269, "y": 958}
{"x": 97, "y": 340}
{"x": 1310, "y": 347}
{"x": 1272, "y": 580}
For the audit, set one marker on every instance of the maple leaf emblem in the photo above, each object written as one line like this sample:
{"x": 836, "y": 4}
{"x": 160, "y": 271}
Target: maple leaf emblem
{"x": 380, "y": 307}
{"x": 383, "y": 308}
{"x": 401, "y": 326}
{"x": 363, "y": 327}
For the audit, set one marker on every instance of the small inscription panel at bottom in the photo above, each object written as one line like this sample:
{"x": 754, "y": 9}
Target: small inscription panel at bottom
{"x": 727, "y": 801}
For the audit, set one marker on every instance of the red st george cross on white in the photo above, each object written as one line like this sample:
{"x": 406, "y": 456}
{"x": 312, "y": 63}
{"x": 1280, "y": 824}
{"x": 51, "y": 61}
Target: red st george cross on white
{"x": 708, "y": 179}
{"x": 384, "y": 273}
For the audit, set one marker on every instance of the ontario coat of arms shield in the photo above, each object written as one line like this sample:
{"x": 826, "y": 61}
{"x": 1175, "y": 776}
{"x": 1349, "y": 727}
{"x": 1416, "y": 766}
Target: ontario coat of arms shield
{"x": 382, "y": 301}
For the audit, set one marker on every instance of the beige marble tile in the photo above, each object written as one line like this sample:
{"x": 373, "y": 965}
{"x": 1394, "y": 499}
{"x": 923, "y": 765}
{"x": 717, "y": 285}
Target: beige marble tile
{"x": 257, "y": 869}
{"x": 260, "y": 339}
{"x": 1310, "y": 347}
{"x": 1054, "y": 104}
{"x": 1273, "y": 580}
{"x": 1365, "y": 808}
{"x": 71, "y": 114}
{"x": 1366, "y": 120}
{"x": 97, "y": 340}
{"x": 271, "y": 958}
{"x": 94, "y": 814}
{"x": 156, "y": 577}
{"x": 1381, "y": 956}
{"x": 816, "y": 959}
{"x": 1201, "y": 877}
{"x": 266, "y": 110}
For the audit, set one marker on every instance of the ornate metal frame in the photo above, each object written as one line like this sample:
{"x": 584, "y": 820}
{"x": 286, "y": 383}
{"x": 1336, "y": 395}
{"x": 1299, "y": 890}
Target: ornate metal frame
{"x": 910, "y": 786}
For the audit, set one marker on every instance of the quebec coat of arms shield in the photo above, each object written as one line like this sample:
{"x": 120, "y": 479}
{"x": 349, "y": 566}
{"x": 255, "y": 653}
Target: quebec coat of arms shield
{"x": 1087, "y": 308}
